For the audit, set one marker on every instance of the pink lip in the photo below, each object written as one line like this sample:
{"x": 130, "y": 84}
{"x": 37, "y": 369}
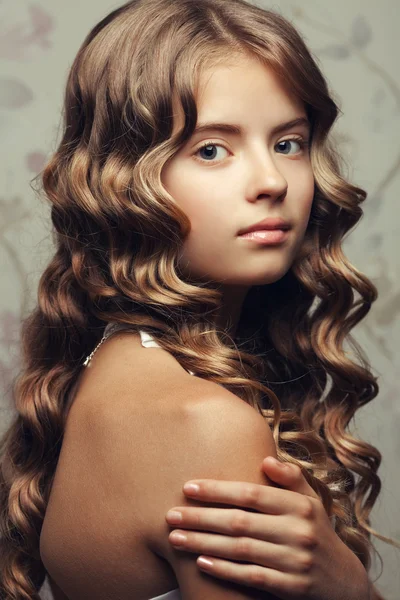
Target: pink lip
{"x": 267, "y": 224}
{"x": 266, "y": 237}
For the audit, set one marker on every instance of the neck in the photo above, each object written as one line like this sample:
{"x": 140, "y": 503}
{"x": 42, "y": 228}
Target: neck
{"x": 231, "y": 309}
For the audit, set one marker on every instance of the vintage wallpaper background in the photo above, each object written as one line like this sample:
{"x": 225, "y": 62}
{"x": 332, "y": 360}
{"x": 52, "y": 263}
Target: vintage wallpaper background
{"x": 357, "y": 45}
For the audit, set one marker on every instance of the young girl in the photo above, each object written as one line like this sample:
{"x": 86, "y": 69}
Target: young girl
{"x": 199, "y": 210}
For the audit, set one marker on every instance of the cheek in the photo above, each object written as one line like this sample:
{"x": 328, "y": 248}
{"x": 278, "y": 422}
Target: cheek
{"x": 300, "y": 204}
{"x": 204, "y": 205}
{"x": 206, "y": 242}
{"x": 205, "y": 210}
{"x": 305, "y": 199}
{"x": 200, "y": 206}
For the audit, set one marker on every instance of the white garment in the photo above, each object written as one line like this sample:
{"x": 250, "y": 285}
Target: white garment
{"x": 172, "y": 595}
{"x": 45, "y": 593}
{"x": 147, "y": 342}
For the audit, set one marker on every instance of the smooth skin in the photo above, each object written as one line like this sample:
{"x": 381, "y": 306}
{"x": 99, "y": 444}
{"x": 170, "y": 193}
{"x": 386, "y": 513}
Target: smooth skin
{"x": 226, "y": 181}
{"x": 241, "y": 179}
{"x": 290, "y": 522}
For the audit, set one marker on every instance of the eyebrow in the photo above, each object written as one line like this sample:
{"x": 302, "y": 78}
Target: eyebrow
{"x": 237, "y": 130}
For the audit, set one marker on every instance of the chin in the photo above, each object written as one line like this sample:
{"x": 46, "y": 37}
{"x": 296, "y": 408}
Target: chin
{"x": 267, "y": 279}
{"x": 264, "y": 278}
{"x": 270, "y": 274}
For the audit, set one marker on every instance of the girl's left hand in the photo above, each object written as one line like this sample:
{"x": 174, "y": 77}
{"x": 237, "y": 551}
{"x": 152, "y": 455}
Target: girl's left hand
{"x": 293, "y": 551}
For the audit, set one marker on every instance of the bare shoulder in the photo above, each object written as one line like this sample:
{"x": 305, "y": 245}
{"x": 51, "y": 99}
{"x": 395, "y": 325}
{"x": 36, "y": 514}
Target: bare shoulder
{"x": 190, "y": 428}
{"x": 217, "y": 437}
{"x": 125, "y": 378}
{"x": 122, "y": 366}
{"x": 97, "y": 492}
{"x": 140, "y": 427}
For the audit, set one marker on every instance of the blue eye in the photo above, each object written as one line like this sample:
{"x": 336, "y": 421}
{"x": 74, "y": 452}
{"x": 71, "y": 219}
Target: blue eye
{"x": 210, "y": 146}
{"x": 299, "y": 141}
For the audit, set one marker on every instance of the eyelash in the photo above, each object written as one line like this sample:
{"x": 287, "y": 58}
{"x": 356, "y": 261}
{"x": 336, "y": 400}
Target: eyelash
{"x": 303, "y": 145}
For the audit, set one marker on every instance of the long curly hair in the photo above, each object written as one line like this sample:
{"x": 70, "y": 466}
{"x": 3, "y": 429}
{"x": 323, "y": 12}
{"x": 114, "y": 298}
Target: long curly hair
{"x": 117, "y": 235}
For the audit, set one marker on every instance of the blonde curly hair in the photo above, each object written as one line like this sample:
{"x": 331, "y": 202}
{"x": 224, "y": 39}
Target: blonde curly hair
{"x": 118, "y": 233}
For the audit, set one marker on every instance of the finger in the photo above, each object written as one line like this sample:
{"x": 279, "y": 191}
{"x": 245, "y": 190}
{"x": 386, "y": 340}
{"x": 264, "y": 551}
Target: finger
{"x": 277, "y": 529}
{"x": 262, "y": 498}
{"x": 289, "y": 475}
{"x": 284, "y": 585}
{"x": 247, "y": 549}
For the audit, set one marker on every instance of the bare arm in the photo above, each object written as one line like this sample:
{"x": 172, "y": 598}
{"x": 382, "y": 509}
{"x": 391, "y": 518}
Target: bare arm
{"x": 222, "y": 438}
{"x": 128, "y": 449}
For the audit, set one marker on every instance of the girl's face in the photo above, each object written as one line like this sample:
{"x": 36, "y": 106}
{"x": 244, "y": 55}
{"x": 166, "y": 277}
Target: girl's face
{"x": 239, "y": 179}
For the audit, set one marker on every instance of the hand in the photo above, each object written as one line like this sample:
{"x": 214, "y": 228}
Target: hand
{"x": 293, "y": 551}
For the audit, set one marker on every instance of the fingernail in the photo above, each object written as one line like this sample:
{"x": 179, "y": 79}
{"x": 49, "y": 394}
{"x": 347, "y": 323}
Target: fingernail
{"x": 174, "y": 516}
{"x": 177, "y": 538}
{"x": 191, "y": 488}
{"x": 204, "y": 562}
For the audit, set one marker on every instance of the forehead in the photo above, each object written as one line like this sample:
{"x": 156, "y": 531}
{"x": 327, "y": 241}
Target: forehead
{"x": 241, "y": 89}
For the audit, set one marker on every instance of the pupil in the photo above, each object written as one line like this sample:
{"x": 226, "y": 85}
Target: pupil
{"x": 284, "y": 142}
{"x": 209, "y": 149}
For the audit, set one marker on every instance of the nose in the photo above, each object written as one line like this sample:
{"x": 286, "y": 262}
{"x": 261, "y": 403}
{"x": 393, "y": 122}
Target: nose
{"x": 266, "y": 181}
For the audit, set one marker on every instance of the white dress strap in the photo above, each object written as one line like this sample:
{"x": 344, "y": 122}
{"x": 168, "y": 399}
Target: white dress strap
{"x": 146, "y": 339}
{"x": 172, "y": 595}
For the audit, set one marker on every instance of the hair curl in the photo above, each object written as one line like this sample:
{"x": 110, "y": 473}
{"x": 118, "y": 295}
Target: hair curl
{"x": 118, "y": 234}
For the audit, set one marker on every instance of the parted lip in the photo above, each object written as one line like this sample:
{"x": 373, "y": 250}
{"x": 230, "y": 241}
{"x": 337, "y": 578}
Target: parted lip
{"x": 270, "y": 223}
